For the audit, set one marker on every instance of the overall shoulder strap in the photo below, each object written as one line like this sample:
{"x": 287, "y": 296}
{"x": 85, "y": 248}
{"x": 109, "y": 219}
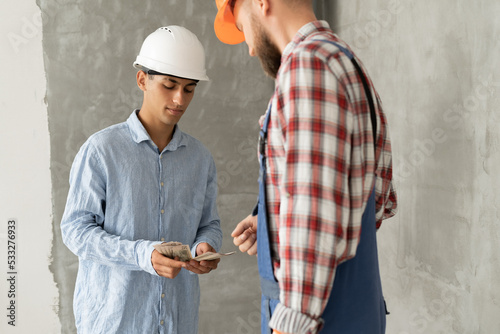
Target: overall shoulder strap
{"x": 364, "y": 81}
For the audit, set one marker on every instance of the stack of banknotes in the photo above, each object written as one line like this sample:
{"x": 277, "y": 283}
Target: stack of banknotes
{"x": 175, "y": 249}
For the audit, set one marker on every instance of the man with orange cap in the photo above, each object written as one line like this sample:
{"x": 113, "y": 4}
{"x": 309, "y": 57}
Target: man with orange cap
{"x": 326, "y": 173}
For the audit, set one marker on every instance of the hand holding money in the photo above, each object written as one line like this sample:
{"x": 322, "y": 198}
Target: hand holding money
{"x": 176, "y": 249}
{"x": 166, "y": 267}
{"x": 204, "y": 266}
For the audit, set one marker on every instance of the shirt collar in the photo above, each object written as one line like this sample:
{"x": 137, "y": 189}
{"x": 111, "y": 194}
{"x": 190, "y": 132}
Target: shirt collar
{"x": 303, "y": 33}
{"x": 139, "y": 133}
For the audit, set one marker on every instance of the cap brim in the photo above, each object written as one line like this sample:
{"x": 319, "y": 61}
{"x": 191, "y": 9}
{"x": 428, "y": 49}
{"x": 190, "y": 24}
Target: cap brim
{"x": 225, "y": 26}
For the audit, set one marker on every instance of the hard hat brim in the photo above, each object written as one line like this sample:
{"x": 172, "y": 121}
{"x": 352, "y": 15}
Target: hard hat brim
{"x": 144, "y": 64}
{"x": 225, "y": 25}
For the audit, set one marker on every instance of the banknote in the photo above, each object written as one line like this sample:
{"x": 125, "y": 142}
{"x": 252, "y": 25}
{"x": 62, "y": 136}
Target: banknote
{"x": 174, "y": 249}
{"x": 211, "y": 256}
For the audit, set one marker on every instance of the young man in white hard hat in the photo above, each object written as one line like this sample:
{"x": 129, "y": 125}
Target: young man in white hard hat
{"x": 326, "y": 173}
{"x": 136, "y": 184}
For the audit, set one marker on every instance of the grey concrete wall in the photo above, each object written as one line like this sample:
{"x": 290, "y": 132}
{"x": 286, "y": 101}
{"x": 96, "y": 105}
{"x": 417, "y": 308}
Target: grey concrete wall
{"x": 435, "y": 64}
{"x": 89, "y": 48}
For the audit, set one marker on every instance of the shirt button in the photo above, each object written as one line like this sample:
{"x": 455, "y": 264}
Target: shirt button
{"x": 161, "y": 322}
{"x": 162, "y": 239}
{"x": 161, "y": 184}
{"x": 162, "y": 211}
{"x": 162, "y": 295}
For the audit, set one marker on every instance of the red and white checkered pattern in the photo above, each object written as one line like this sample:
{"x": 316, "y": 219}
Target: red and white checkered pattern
{"x": 320, "y": 171}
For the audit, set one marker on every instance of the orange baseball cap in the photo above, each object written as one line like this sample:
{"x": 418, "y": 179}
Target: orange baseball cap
{"x": 225, "y": 24}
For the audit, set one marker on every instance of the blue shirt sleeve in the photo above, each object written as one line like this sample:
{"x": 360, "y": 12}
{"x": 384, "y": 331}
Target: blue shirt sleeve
{"x": 83, "y": 219}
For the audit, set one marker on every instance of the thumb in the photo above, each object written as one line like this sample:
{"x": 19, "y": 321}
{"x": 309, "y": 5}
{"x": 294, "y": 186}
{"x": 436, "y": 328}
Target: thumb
{"x": 203, "y": 248}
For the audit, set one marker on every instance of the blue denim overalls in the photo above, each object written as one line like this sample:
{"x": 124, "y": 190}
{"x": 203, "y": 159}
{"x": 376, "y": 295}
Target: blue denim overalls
{"x": 356, "y": 304}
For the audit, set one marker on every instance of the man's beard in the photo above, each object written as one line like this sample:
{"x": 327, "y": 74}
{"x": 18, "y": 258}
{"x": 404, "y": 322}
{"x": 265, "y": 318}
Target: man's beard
{"x": 268, "y": 53}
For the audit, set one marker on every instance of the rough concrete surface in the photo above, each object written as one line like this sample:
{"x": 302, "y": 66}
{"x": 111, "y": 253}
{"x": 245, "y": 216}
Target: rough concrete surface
{"x": 434, "y": 64}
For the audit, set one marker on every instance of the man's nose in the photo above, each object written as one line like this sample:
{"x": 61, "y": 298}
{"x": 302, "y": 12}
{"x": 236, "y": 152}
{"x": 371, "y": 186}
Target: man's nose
{"x": 178, "y": 97}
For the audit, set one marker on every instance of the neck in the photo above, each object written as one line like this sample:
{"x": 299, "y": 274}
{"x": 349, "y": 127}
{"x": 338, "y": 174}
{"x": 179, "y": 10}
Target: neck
{"x": 161, "y": 134}
{"x": 287, "y": 21}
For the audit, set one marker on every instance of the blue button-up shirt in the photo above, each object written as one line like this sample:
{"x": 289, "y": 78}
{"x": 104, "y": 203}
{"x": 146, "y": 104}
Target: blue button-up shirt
{"x": 125, "y": 196}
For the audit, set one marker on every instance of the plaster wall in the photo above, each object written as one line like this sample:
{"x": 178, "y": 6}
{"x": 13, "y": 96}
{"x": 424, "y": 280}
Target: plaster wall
{"x": 29, "y": 297}
{"x": 435, "y": 64}
{"x": 70, "y": 74}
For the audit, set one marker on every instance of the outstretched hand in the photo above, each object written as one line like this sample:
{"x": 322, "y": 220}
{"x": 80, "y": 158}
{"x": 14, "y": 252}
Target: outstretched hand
{"x": 245, "y": 235}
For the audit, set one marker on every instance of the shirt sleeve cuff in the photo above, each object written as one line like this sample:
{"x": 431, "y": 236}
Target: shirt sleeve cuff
{"x": 146, "y": 248}
{"x": 287, "y": 320}
{"x": 193, "y": 249}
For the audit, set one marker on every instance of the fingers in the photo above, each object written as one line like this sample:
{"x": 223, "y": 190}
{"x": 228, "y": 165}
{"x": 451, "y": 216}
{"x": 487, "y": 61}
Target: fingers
{"x": 253, "y": 249}
{"x": 249, "y": 222}
{"x": 248, "y": 243}
{"x": 167, "y": 272}
{"x": 203, "y": 267}
{"x": 204, "y": 247}
{"x": 166, "y": 267}
{"x": 240, "y": 228}
{"x": 212, "y": 264}
{"x": 245, "y": 235}
{"x": 161, "y": 260}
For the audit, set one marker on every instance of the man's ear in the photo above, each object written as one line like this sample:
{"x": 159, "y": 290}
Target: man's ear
{"x": 142, "y": 77}
{"x": 263, "y": 6}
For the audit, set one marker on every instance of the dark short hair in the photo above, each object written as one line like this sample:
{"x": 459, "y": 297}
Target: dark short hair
{"x": 152, "y": 73}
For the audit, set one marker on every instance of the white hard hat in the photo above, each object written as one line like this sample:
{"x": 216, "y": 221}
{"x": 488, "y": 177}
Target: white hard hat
{"x": 175, "y": 51}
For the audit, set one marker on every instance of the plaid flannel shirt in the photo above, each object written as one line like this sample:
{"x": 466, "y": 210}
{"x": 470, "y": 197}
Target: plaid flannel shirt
{"x": 320, "y": 172}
